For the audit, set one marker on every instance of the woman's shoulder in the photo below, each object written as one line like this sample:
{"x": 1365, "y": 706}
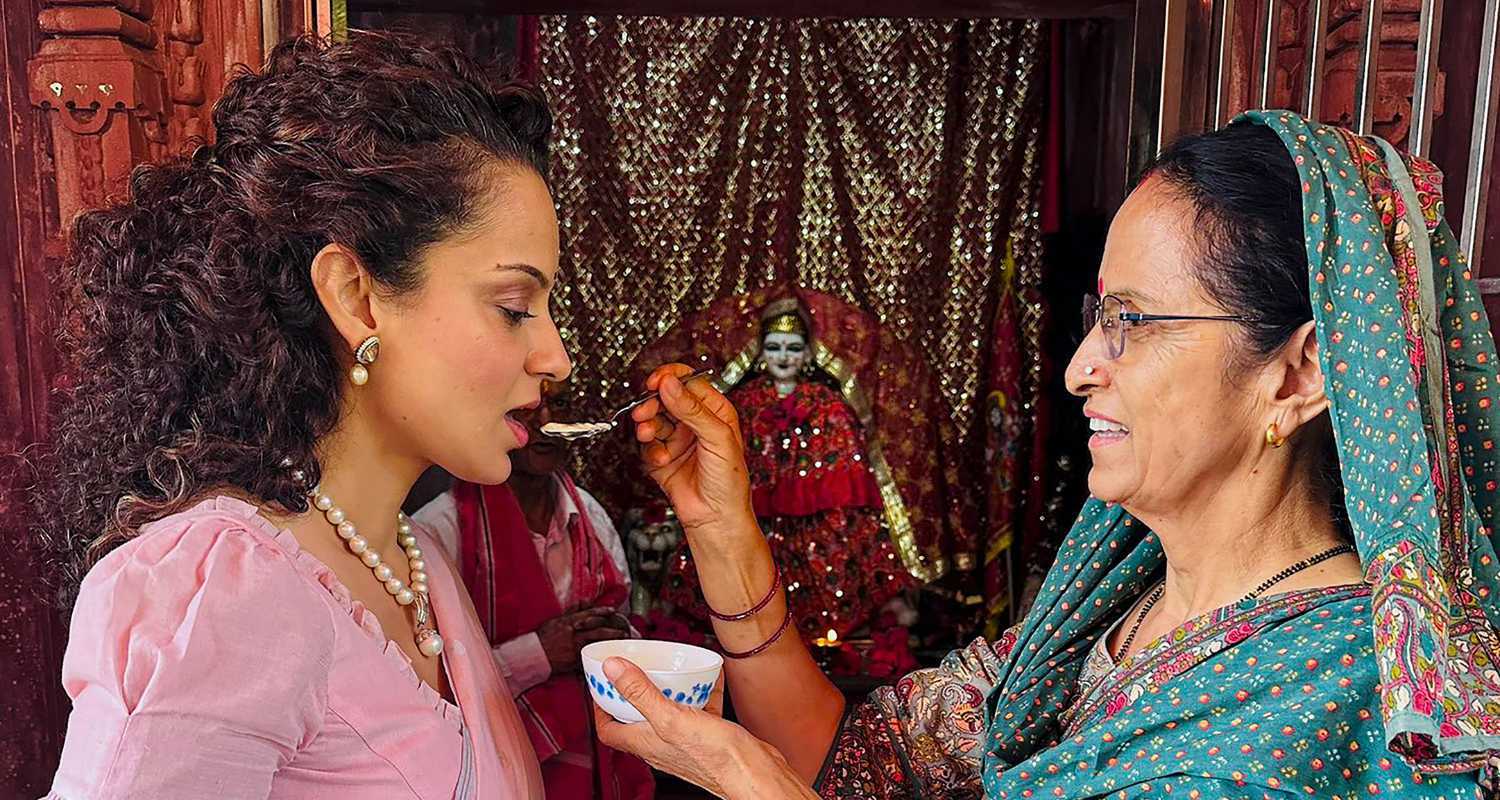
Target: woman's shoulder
{"x": 218, "y": 557}
{"x": 202, "y": 623}
{"x": 215, "y": 526}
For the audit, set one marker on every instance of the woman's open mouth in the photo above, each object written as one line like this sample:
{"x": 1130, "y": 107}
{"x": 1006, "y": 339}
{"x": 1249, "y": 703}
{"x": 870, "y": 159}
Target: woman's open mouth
{"x": 518, "y": 430}
{"x": 1106, "y": 432}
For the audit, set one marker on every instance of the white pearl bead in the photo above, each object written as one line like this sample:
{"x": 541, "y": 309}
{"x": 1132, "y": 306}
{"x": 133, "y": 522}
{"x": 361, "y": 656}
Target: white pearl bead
{"x": 359, "y": 545}
{"x": 358, "y": 375}
{"x": 431, "y": 646}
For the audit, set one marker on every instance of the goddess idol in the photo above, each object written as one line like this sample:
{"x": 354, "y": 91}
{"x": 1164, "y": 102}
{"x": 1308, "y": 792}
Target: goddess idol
{"x": 814, "y": 489}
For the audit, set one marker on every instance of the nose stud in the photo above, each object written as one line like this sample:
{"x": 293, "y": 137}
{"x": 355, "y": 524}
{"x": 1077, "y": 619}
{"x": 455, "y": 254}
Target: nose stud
{"x": 1088, "y": 370}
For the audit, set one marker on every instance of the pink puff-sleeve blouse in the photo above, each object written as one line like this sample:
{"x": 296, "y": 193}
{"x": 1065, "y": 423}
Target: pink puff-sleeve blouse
{"x": 211, "y": 657}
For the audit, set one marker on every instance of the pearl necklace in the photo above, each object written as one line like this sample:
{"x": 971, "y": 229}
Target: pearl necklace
{"x": 429, "y": 642}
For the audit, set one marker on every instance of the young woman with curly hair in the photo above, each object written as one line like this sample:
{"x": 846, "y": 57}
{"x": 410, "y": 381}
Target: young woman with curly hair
{"x": 273, "y": 339}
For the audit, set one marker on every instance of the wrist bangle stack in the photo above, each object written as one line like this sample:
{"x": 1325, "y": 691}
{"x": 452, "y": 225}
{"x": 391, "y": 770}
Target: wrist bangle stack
{"x": 758, "y": 607}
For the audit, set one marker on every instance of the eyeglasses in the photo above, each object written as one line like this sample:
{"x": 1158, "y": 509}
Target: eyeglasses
{"x": 1110, "y": 315}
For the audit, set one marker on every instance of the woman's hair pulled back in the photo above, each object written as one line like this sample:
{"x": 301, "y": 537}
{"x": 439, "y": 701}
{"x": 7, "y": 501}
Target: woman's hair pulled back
{"x": 200, "y": 356}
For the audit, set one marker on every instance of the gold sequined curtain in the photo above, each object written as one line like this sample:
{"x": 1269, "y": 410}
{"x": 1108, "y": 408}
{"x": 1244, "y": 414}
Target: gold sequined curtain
{"x": 884, "y": 161}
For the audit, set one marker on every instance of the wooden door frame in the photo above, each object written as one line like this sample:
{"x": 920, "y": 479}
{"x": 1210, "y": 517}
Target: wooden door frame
{"x": 89, "y": 93}
{"x": 32, "y": 703}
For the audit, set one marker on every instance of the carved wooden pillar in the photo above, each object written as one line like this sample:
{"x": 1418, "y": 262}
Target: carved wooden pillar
{"x": 93, "y": 88}
{"x": 100, "y": 80}
{"x": 129, "y": 81}
{"x": 1395, "y": 79}
{"x": 32, "y": 704}
{"x": 185, "y": 72}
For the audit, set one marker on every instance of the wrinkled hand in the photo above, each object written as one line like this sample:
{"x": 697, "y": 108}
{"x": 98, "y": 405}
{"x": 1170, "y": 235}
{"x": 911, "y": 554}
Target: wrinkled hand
{"x": 690, "y": 440}
{"x": 694, "y": 745}
{"x": 563, "y": 636}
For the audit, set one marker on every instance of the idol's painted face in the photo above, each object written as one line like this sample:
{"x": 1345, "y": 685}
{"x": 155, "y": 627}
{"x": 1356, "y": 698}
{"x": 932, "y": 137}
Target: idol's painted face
{"x": 784, "y": 354}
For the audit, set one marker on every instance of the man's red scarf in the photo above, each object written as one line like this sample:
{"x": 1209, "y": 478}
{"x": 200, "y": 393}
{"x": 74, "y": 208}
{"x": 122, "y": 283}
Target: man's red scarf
{"x": 514, "y": 595}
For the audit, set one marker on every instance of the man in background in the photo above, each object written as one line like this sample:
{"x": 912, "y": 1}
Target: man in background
{"x": 547, "y": 572}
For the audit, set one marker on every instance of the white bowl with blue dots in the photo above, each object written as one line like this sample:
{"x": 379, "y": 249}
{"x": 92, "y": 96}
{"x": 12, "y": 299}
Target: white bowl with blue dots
{"x": 683, "y": 673}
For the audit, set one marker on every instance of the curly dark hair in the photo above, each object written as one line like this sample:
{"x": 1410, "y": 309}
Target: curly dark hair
{"x": 201, "y": 358}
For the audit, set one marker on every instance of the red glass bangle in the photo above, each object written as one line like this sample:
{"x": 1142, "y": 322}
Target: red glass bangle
{"x": 758, "y": 607}
{"x": 785, "y": 623}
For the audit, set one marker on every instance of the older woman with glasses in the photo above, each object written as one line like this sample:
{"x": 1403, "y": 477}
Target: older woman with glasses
{"x": 1285, "y": 583}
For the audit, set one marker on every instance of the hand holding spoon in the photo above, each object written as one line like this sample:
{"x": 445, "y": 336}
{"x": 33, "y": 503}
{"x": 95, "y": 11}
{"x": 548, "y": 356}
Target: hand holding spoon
{"x": 574, "y": 431}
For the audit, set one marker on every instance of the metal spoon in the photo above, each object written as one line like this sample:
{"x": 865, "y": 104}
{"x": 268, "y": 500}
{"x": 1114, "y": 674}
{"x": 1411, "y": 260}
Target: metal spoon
{"x": 573, "y": 431}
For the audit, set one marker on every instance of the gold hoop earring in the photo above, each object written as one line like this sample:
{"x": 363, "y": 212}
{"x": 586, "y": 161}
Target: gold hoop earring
{"x": 1273, "y": 438}
{"x": 364, "y": 355}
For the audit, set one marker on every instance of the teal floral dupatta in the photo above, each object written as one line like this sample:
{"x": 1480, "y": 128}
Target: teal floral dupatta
{"x": 1272, "y": 697}
{"x": 1411, "y": 371}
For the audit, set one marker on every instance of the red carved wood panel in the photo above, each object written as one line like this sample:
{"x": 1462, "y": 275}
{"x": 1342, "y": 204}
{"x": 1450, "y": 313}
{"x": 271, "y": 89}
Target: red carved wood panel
{"x": 1458, "y": 61}
{"x": 91, "y": 91}
{"x": 32, "y": 705}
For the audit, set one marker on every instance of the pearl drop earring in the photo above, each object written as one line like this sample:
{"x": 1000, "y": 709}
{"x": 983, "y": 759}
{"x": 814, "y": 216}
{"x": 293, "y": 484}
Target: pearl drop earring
{"x": 364, "y": 355}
